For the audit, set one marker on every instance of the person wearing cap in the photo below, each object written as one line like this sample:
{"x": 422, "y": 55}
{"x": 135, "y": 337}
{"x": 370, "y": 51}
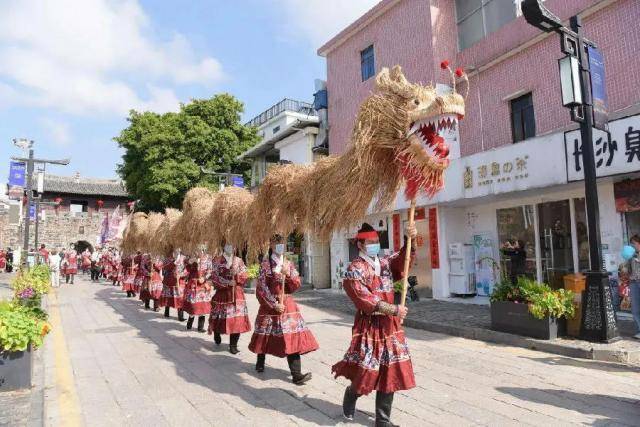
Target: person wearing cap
{"x": 197, "y": 294}
{"x": 229, "y": 313}
{"x": 378, "y": 357}
{"x": 280, "y": 329}
{"x": 174, "y": 274}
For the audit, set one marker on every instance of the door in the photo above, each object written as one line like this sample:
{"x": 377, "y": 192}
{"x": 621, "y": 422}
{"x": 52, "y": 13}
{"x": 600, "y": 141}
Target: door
{"x": 555, "y": 242}
{"x": 422, "y": 265}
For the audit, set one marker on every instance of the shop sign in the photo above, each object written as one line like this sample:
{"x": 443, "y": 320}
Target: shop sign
{"x": 489, "y": 173}
{"x": 614, "y": 155}
{"x": 433, "y": 238}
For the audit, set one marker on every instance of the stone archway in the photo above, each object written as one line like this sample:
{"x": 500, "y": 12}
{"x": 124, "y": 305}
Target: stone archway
{"x": 81, "y": 245}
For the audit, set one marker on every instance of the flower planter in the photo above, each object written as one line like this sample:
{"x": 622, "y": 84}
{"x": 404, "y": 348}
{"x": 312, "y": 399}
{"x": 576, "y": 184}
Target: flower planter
{"x": 15, "y": 370}
{"x": 515, "y": 318}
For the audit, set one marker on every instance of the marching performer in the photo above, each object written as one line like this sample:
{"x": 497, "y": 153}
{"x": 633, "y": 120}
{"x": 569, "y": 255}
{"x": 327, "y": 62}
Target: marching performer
{"x": 70, "y": 264}
{"x": 229, "y": 314}
{"x": 378, "y": 357}
{"x": 279, "y": 328}
{"x": 105, "y": 264}
{"x": 117, "y": 270}
{"x": 129, "y": 269}
{"x": 155, "y": 282}
{"x": 173, "y": 276}
{"x": 145, "y": 274}
{"x": 197, "y": 295}
{"x": 86, "y": 261}
{"x": 139, "y": 273}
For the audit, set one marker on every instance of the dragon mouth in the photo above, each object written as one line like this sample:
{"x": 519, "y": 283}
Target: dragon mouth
{"x": 429, "y": 133}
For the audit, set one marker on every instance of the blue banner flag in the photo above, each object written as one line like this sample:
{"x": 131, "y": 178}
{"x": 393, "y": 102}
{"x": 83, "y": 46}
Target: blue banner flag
{"x": 17, "y": 173}
{"x": 237, "y": 181}
{"x": 598, "y": 88}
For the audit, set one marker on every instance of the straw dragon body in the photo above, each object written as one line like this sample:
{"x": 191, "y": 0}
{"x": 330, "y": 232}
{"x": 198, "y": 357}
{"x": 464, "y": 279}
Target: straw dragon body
{"x": 396, "y": 139}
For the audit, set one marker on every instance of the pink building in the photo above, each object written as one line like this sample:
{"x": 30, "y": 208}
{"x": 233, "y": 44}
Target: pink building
{"x": 519, "y": 172}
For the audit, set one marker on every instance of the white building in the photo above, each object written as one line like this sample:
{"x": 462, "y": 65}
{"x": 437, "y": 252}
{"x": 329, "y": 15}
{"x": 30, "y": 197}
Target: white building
{"x": 294, "y": 132}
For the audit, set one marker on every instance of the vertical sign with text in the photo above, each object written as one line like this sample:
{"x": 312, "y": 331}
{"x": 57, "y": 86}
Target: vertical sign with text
{"x": 598, "y": 88}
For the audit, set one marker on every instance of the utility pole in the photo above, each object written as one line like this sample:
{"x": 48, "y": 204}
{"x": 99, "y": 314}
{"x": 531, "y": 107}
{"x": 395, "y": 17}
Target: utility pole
{"x": 30, "y": 163}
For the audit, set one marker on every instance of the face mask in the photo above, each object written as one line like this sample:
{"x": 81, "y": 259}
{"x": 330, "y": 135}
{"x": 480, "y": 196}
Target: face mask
{"x": 228, "y": 249}
{"x": 372, "y": 249}
{"x": 279, "y": 250}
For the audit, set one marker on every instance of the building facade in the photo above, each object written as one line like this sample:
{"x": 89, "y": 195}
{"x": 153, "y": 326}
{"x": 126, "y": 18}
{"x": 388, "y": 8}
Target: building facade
{"x": 292, "y": 132}
{"x": 519, "y": 174}
{"x": 72, "y": 210}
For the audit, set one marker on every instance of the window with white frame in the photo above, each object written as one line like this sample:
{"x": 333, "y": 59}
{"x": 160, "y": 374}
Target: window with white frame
{"x": 478, "y": 18}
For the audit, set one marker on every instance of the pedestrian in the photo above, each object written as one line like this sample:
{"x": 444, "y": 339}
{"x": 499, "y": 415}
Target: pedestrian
{"x": 139, "y": 274}
{"x": 44, "y": 254}
{"x": 116, "y": 270}
{"x": 280, "y": 329}
{"x": 86, "y": 261}
{"x": 634, "y": 282}
{"x": 3, "y": 260}
{"x": 95, "y": 264}
{"x": 9, "y": 257}
{"x": 173, "y": 277}
{"x": 516, "y": 251}
{"x": 53, "y": 261}
{"x": 229, "y": 313}
{"x": 197, "y": 293}
{"x": 71, "y": 264}
{"x": 155, "y": 283}
{"x": 378, "y": 357}
{"x": 105, "y": 263}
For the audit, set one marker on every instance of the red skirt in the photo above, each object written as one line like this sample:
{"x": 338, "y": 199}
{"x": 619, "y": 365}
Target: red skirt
{"x": 172, "y": 296}
{"x": 128, "y": 283}
{"x": 229, "y": 316}
{"x": 378, "y": 357}
{"x": 197, "y": 299}
{"x": 282, "y": 334}
{"x": 71, "y": 269}
{"x": 155, "y": 287}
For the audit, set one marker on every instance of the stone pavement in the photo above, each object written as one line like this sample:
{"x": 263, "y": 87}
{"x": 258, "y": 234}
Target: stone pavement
{"x": 120, "y": 365}
{"x": 474, "y": 321}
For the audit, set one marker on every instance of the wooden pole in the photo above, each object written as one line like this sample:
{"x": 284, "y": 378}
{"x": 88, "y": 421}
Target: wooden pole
{"x": 407, "y": 255}
{"x": 283, "y": 281}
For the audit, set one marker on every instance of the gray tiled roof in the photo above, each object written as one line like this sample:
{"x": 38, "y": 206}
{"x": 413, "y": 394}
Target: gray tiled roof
{"x": 86, "y": 186}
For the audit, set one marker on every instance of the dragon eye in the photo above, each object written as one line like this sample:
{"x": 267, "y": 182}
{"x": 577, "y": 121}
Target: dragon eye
{"x": 416, "y": 101}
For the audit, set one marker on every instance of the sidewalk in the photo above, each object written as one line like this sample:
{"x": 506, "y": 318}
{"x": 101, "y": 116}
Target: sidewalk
{"x": 474, "y": 322}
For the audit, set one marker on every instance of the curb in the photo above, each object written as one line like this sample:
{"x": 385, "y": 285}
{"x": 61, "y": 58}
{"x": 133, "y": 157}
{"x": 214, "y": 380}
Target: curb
{"x": 563, "y": 347}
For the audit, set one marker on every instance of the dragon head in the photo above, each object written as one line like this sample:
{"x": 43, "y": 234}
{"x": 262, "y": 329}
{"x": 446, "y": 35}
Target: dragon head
{"x": 420, "y": 117}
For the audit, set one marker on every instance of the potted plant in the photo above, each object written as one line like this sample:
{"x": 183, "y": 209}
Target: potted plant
{"x": 252, "y": 273}
{"x": 22, "y": 329}
{"x": 531, "y": 309}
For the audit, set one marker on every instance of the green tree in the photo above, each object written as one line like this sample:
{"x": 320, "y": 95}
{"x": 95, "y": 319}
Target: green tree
{"x": 164, "y": 153}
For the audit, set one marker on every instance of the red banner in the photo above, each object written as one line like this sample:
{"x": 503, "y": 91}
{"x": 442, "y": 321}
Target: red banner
{"x": 433, "y": 238}
{"x": 396, "y": 232}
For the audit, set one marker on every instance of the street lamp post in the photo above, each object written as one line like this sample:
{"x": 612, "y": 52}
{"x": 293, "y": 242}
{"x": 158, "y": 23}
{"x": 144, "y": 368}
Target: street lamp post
{"x": 30, "y": 162}
{"x": 598, "y": 317}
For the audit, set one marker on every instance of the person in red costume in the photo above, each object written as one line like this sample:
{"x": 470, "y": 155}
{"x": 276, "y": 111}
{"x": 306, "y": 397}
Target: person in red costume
{"x": 280, "y": 329}
{"x": 378, "y": 356}
{"x": 197, "y": 294}
{"x": 70, "y": 263}
{"x": 173, "y": 282}
{"x": 229, "y": 314}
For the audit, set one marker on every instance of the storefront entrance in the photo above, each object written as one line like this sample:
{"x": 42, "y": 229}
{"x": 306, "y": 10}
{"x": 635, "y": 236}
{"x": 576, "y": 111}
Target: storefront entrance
{"x": 554, "y": 220}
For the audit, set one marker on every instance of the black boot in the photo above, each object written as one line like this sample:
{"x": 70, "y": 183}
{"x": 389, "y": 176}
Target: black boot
{"x": 384, "y": 401}
{"x": 201, "y": 324}
{"x": 295, "y": 366}
{"x": 190, "y": 323}
{"x": 217, "y": 338}
{"x": 72, "y": 277}
{"x": 349, "y": 403}
{"x": 66, "y": 278}
{"x": 181, "y": 315}
{"x": 147, "y": 305}
{"x": 166, "y": 312}
{"x": 260, "y": 363}
{"x": 233, "y": 343}
{"x": 155, "y": 305}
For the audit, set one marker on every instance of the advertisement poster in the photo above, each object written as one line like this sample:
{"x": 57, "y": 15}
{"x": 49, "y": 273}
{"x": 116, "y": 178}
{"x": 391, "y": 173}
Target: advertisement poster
{"x": 485, "y": 276}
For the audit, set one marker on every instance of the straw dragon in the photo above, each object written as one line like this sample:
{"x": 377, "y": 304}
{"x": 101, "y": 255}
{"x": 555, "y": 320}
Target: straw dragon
{"x": 396, "y": 138}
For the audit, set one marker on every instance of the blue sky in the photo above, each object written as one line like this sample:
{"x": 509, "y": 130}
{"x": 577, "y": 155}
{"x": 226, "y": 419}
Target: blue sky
{"x": 71, "y": 69}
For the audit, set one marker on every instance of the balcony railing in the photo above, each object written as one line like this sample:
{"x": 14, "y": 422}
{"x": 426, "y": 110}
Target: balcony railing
{"x": 284, "y": 105}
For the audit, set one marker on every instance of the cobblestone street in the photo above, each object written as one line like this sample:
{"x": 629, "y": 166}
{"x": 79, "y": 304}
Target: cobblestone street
{"x": 121, "y": 365}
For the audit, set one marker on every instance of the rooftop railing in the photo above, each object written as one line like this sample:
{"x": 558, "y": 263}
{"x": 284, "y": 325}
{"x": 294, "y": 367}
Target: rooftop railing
{"x": 284, "y": 105}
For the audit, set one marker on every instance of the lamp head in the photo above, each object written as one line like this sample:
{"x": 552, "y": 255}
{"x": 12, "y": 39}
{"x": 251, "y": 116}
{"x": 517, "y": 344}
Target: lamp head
{"x": 539, "y": 16}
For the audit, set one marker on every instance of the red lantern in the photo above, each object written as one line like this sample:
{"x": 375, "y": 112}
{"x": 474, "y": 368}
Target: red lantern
{"x": 100, "y": 204}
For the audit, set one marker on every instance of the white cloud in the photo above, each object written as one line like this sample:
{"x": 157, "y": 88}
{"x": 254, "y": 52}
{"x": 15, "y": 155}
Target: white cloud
{"x": 84, "y": 56}
{"x": 57, "y": 131}
{"x": 319, "y": 20}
